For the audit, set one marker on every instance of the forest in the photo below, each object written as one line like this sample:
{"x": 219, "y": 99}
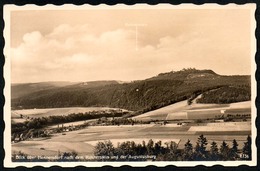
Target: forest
{"x": 226, "y": 94}
{"x": 143, "y": 95}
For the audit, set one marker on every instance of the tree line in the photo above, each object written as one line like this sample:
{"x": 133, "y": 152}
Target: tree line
{"x": 41, "y": 122}
{"x": 120, "y": 121}
{"x": 170, "y": 152}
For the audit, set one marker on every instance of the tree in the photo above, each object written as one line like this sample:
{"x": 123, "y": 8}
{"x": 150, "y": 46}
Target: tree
{"x": 247, "y": 151}
{"x": 234, "y": 150}
{"x": 144, "y": 148}
{"x": 189, "y": 101}
{"x": 214, "y": 154}
{"x": 200, "y": 149}
{"x": 105, "y": 148}
{"x": 149, "y": 147}
{"x": 158, "y": 147}
{"x": 139, "y": 149}
{"x": 188, "y": 151}
{"x": 133, "y": 148}
{"x": 171, "y": 154}
{"x": 224, "y": 151}
{"x": 124, "y": 148}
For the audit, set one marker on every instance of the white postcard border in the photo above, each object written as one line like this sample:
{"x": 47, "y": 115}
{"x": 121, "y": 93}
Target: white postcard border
{"x": 7, "y": 88}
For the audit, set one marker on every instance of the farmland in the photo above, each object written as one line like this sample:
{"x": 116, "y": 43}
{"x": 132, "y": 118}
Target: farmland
{"x": 182, "y": 110}
{"x": 83, "y": 141}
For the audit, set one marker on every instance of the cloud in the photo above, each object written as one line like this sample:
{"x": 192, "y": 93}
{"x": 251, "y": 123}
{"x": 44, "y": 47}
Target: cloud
{"x": 77, "y": 53}
{"x": 69, "y": 48}
{"x": 33, "y": 38}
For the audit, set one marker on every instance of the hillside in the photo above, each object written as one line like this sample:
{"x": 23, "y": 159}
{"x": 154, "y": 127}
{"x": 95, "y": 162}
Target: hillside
{"x": 19, "y": 90}
{"x": 142, "y": 96}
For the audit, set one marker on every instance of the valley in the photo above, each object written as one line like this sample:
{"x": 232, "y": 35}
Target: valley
{"x": 171, "y": 107}
{"x": 83, "y": 141}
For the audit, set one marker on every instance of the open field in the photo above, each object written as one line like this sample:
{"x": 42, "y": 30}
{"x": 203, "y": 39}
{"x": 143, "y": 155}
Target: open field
{"x": 16, "y": 114}
{"x": 217, "y": 127}
{"x": 182, "y": 110}
{"x": 83, "y": 141}
{"x": 163, "y": 112}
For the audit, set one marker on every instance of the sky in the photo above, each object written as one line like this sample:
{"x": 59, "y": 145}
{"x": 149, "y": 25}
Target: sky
{"x": 104, "y": 44}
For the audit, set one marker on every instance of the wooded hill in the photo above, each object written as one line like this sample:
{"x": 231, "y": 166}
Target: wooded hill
{"x": 142, "y": 95}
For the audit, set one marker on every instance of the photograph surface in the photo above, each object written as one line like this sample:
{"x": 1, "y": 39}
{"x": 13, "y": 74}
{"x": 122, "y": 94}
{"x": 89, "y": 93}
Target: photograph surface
{"x": 147, "y": 85}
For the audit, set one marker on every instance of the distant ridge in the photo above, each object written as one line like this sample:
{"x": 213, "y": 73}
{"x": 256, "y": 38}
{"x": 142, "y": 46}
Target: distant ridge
{"x": 185, "y": 74}
{"x": 22, "y": 89}
{"x": 143, "y": 95}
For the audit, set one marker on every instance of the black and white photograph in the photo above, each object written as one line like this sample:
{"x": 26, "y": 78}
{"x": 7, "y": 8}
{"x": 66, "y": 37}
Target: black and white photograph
{"x": 137, "y": 85}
